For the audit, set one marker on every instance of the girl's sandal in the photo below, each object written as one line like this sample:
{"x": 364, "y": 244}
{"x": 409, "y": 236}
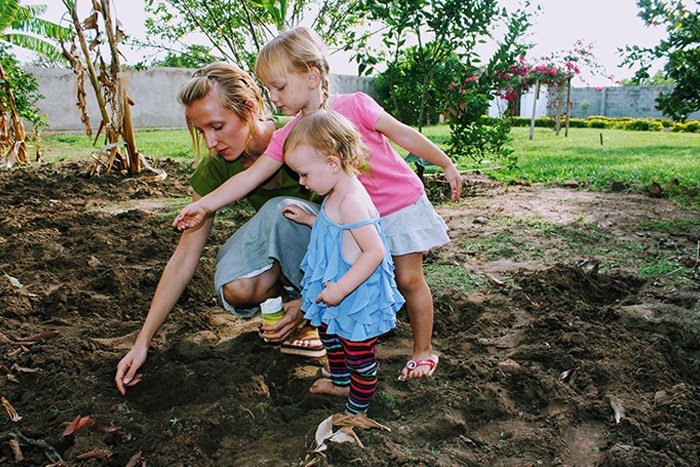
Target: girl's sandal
{"x": 431, "y": 362}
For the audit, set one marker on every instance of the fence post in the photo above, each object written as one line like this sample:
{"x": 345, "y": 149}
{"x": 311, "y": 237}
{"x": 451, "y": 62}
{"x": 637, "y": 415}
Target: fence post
{"x": 534, "y": 108}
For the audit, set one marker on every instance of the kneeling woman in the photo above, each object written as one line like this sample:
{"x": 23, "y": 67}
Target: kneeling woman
{"x": 223, "y": 107}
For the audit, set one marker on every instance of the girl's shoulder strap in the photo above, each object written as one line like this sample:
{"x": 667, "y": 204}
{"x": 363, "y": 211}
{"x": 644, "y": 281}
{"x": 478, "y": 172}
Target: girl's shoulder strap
{"x": 361, "y": 223}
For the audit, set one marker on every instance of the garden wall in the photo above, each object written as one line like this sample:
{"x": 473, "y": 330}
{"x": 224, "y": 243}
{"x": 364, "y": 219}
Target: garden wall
{"x": 621, "y": 101}
{"x": 616, "y": 102}
{"x": 154, "y": 92}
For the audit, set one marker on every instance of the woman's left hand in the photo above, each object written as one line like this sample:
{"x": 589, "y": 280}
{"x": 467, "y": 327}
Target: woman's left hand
{"x": 284, "y": 328}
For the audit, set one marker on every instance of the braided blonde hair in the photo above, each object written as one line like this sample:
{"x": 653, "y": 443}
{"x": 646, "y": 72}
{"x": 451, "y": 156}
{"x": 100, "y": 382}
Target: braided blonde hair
{"x": 236, "y": 88}
{"x": 297, "y": 50}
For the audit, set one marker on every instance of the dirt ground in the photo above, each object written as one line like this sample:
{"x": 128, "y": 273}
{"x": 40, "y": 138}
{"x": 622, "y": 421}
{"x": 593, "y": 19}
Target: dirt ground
{"x": 549, "y": 363}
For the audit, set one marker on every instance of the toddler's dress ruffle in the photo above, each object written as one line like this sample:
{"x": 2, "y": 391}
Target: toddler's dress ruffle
{"x": 370, "y": 310}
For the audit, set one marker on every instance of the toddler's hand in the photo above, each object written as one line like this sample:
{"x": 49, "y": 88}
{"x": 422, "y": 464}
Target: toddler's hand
{"x": 331, "y": 294}
{"x": 298, "y": 214}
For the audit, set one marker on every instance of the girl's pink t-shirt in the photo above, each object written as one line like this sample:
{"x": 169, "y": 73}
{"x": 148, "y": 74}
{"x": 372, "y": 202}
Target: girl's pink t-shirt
{"x": 390, "y": 181}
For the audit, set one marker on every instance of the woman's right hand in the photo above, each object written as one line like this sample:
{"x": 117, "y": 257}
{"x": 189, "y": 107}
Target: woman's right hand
{"x": 191, "y": 216}
{"x": 128, "y": 366}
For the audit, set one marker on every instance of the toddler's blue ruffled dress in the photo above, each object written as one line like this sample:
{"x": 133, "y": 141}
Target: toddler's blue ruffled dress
{"x": 370, "y": 310}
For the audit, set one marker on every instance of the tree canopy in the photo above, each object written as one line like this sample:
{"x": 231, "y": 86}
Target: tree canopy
{"x": 21, "y": 26}
{"x": 237, "y": 30}
{"x": 681, "y": 49}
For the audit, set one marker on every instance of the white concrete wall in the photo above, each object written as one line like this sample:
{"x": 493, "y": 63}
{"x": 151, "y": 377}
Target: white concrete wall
{"x": 527, "y": 101}
{"x": 154, "y": 92}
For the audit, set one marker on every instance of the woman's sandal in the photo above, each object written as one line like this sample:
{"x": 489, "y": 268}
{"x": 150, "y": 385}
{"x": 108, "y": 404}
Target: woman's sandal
{"x": 308, "y": 334}
{"x": 431, "y": 362}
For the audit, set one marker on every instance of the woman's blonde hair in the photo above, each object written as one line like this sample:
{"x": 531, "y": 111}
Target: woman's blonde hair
{"x": 297, "y": 50}
{"x": 331, "y": 134}
{"x": 236, "y": 90}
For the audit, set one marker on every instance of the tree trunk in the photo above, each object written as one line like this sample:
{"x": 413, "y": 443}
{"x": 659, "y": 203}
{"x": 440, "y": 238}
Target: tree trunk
{"x": 19, "y": 145}
{"x": 534, "y": 108}
{"x": 568, "y": 105}
{"x": 126, "y": 127}
{"x": 560, "y": 105}
{"x": 106, "y": 120}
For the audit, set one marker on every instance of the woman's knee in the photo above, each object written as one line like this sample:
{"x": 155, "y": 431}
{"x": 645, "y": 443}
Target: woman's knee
{"x": 240, "y": 293}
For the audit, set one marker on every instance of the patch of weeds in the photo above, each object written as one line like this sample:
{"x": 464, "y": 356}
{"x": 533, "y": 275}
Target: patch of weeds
{"x": 262, "y": 406}
{"x": 389, "y": 400}
{"x": 658, "y": 268}
{"x": 674, "y": 226}
{"x": 452, "y": 277}
{"x": 55, "y": 411}
{"x": 581, "y": 238}
{"x": 540, "y": 226}
{"x": 171, "y": 208}
{"x": 238, "y": 212}
{"x": 623, "y": 253}
{"x": 174, "y": 421}
{"x": 501, "y": 244}
{"x": 668, "y": 271}
{"x": 70, "y": 138}
{"x": 124, "y": 407}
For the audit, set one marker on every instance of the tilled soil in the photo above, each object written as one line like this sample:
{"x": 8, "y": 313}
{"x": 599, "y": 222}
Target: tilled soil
{"x": 560, "y": 364}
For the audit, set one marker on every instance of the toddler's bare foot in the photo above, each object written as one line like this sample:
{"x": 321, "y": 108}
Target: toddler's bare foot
{"x": 325, "y": 386}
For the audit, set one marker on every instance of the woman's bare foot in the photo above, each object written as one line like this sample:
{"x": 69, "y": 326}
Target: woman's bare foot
{"x": 326, "y": 386}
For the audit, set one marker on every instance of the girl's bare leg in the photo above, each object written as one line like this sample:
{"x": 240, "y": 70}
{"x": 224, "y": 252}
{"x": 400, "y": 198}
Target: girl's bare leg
{"x": 419, "y": 304}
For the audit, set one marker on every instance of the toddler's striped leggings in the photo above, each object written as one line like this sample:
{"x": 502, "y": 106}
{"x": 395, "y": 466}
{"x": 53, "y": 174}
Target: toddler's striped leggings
{"x": 352, "y": 364}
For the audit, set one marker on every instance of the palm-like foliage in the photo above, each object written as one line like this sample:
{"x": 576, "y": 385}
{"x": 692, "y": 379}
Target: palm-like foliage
{"x": 21, "y": 26}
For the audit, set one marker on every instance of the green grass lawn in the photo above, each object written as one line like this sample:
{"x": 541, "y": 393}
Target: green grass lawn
{"x": 633, "y": 158}
{"x": 624, "y": 156}
{"x": 155, "y": 144}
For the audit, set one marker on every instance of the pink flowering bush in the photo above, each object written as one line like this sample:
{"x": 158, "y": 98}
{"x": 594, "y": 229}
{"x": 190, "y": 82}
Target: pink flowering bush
{"x": 552, "y": 72}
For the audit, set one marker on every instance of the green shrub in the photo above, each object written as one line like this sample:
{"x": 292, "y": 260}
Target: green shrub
{"x": 665, "y": 122}
{"x": 620, "y": 123}
{"x": 692, "y": 126}
{"x": 641, "y": 125}
{"x": 597, "y": 123}
{"x": 399, "y": 92}
{"x": 24, "y": 87}
{"x": 578, "y": 123}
